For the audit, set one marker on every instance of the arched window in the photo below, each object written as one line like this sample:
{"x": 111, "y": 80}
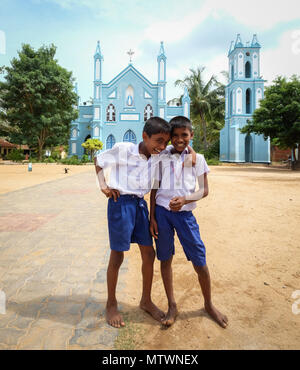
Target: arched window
{"x": 232, "y": 72}
{"x": 85, "y": 151}
{"x": 248, "y": 70}
{"x": 130, "y": 137}
{"x": 110, "y": 141}
{"x": 111, "y": 113}
{"x": 248, "y": 101}
{"x": 148, "y": 112}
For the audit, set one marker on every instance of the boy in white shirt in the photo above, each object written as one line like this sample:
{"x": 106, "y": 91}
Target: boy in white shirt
{"x": 171, "y": 209}
{"x": 132, "y": 170}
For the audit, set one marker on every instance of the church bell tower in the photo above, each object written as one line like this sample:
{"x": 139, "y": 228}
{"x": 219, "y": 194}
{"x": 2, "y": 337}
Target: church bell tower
{"x": 243, "y": 93}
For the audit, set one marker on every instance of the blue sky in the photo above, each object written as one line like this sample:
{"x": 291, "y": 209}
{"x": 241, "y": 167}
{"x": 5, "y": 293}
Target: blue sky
{"x": 195, "y": 33}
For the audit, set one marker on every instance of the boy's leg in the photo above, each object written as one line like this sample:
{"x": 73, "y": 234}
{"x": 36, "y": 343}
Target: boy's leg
{"x": 189, "y": 235}
{"x": 167, "y": 277}
{"x": 148, "y": 256}
{"x": 113, "y": 316}
{"x": 204, "y": 280}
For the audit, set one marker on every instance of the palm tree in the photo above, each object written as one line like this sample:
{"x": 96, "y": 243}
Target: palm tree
{"x": 205, "y": 99}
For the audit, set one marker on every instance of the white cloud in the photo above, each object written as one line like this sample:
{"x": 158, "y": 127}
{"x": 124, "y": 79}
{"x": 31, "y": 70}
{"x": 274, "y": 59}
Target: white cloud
{"x": 259, "y": 14}
{"x": 283, "y": 60}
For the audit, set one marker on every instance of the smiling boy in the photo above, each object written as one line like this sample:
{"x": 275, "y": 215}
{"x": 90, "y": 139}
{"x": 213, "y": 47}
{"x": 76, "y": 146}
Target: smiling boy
{"x": 132, "y": 170}
{"x": 171, "y": 209}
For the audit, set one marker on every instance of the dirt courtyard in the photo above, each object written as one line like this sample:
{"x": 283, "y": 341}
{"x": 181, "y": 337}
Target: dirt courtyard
{"x": 250, "y": 225}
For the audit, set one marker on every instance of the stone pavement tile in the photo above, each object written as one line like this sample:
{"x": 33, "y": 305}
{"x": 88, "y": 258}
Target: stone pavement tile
{"x": 58, "y": 338}
{"x": 23, "y": 221}
{"x": 21, "y": 322}
{"x": 10, "y": 336}
{"x": 103, "y": 336}
{"x": 55, "y": 275}
{"x": 7, "y": 318}
{"x": 33, "y": 339}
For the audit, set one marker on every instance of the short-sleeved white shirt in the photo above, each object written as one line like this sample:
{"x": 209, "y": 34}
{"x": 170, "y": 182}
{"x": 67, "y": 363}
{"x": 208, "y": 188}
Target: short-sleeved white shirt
{"x": 176, "y": 180}
{"x": 131, "y": 172}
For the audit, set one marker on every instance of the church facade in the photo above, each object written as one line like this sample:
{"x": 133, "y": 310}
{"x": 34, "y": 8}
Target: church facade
{"x": 121, "y": 106}
{"x": 242, "y": 96}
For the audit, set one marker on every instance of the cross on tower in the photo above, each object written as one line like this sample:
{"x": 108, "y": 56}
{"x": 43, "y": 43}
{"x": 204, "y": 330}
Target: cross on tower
{"x": 130, "y": 53}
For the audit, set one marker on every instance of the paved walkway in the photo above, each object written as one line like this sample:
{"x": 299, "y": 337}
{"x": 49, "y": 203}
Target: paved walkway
{"x": 53, "y": 256}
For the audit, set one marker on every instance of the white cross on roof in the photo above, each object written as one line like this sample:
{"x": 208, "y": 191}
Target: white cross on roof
{"x": 130, "y": 53}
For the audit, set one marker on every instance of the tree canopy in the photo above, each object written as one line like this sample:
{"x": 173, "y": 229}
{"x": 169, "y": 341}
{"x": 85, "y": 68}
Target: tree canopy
{"x": 92, "y": 145}
{"x": 207, "y": 106}
{"x": 278, "y": 116}
{"x": 37, "y": 98}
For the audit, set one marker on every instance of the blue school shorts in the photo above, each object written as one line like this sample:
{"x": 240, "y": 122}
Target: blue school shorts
{"x": 128, "y": 222}
{"x": 187, "y": 231}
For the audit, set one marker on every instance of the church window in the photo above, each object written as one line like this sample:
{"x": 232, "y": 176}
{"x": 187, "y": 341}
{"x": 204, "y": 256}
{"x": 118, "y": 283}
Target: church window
{"x": 248, "y": 70}
{"x": 129, "y": 137}
{"x": 148, "y": 112}
{"x": 111, "y": 113}
{"x": 232, "y": 72}
{"x": 110, "y": 141}
{"x": 74, "y": 132}
{"x": 230, "y": 104}
{"x": 248, "y": 101}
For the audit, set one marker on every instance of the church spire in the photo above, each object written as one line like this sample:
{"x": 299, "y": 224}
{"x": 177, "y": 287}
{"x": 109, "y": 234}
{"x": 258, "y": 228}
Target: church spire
{"x": 161, "y": 50}
{"x": 255, "y": 42}
{"x": 238, "y": 42}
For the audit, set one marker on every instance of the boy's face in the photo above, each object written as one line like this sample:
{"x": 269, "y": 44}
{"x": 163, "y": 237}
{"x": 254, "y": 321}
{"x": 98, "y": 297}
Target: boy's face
{"x": 181, "y": 138}
{"x": 156, "y": 142}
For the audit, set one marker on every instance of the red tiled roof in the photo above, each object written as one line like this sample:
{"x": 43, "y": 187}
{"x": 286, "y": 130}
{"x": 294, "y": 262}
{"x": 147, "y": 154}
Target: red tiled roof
{"x": 6, "y": 144}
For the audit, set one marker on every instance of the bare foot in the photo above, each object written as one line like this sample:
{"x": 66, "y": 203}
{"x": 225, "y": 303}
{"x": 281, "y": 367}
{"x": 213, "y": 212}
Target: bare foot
{"x": 113, "y": 316}
{"x": 221, "y": 319}
{"x": 171, "y": 316}
{"x": 153, "y": 310}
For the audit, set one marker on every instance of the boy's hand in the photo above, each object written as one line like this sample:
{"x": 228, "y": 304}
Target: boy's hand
{"x": 193, "y": 153}
{"x": 153, "y": 228}
{"x": 109, "y": 193}
{"x": 176, "y": 203}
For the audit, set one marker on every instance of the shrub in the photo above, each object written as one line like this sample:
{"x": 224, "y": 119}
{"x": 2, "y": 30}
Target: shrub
{"x": 16, "y": 155}
{"x": 72, "y": 160}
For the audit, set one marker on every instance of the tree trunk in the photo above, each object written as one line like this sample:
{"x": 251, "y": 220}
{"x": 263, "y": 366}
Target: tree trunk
{"x": 204, "y": 131}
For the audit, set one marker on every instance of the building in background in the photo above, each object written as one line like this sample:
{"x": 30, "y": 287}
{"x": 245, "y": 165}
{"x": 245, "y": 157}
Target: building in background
{"x": 242, "y": 96}
{"x": 121, "y": 106}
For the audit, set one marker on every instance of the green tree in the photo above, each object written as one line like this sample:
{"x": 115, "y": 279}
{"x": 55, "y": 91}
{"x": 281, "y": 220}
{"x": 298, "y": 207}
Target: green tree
{"x": 38, "y": 98}
{"x": 92, "y": 145}
{"x": 278, "y": 116}
{"x": 205, "y": 99}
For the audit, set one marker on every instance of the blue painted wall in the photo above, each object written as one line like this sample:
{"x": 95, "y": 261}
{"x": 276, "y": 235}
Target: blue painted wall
{"x": 129, "y": 93}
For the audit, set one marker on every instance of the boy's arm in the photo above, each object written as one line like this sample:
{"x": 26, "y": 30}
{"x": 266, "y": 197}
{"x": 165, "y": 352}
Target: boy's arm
{"x": 156, "y": 186}
{"x": 102, "y": 183}
{"x": 153, "y": 223}
{"x": 178, "y": 202}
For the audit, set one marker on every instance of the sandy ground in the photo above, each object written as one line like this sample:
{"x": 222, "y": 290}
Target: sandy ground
{"x": 16, "y": 176}
{"x": 250, "y": 226}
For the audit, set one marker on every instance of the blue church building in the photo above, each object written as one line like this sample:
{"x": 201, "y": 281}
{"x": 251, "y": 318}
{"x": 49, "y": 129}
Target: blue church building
{"x": 121, "y": 106}
{"x": 242, "y": 96}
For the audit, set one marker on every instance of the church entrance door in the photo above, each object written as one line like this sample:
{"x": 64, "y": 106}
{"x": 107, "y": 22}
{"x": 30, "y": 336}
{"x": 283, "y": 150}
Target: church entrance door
{"x": 248, "y": 149}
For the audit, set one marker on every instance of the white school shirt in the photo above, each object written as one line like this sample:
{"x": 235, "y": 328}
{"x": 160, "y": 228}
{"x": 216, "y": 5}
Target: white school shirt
{"x": 178, "y": 181}
{"x": 131, "y": 172}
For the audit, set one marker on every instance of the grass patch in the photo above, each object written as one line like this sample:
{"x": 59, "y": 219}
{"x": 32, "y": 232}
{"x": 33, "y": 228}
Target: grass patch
{"x": 130, "y": 335}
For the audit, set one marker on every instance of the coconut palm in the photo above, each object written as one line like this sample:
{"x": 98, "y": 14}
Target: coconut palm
{"x": 205, "y": 98}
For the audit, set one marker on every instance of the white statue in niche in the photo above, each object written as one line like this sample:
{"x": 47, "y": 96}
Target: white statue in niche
{"x": 129, "y": 96}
